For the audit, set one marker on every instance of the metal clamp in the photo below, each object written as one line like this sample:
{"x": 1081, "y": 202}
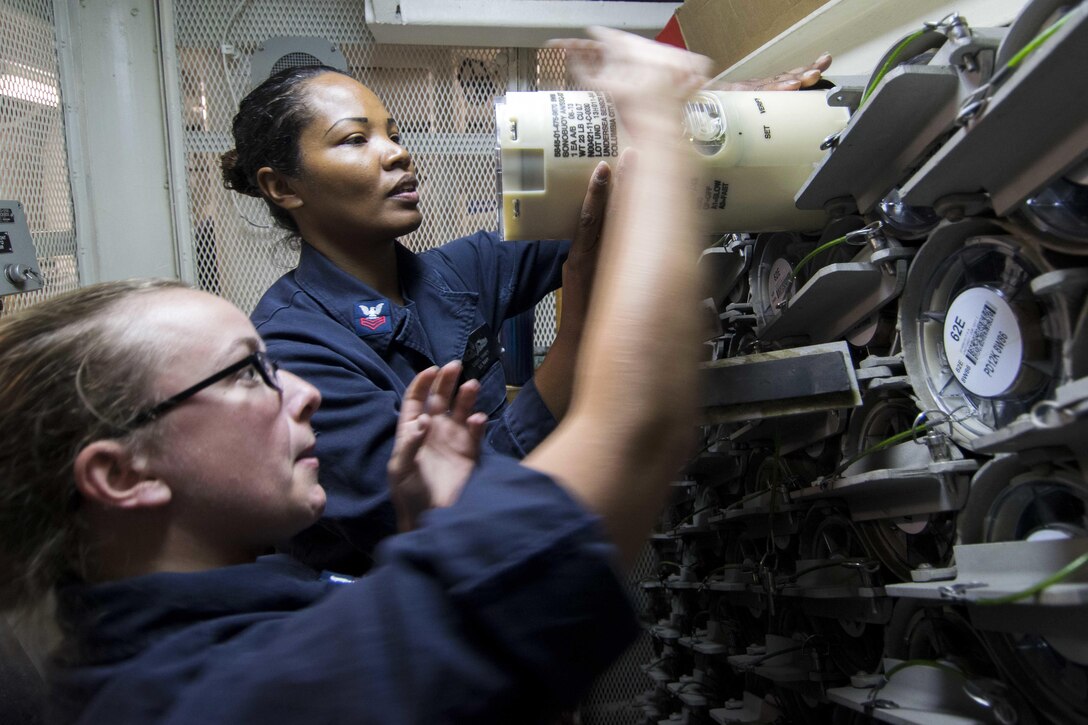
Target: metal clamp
{"x": 953, "y": 25}
{"x": 881, "y": 703}
{"x": 974, "y": 105}
{"x": 922, "y": 422}
{"x": 1048, "y": 414}
{"x": 958, "y": 592}
{"x": 870, "y": 232}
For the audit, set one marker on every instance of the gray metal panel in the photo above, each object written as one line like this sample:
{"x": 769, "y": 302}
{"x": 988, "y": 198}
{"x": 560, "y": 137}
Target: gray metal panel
{"x": 275, "y": 54}
{"x": 786, "y": 382}
{"x": 912, "y": 102}
{"x": 1007, "y": 567}
{"x": 829, "y": 303}
{"x": 1035, "y": 127}
{"x": 889, "y": 492}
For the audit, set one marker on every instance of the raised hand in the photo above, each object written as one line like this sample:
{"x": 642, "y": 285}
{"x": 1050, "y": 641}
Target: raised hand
{"x": 646, "y": 79}
{"x": 437, "y": 444}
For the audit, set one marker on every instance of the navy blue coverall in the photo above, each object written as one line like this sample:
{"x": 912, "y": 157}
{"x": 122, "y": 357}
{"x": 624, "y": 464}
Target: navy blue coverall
{"x": 499, "y": 609}
{"x": 362, "y": 351}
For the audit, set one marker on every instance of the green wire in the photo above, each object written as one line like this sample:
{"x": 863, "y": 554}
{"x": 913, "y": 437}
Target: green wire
{"x": 890, "y": 63}
{"x": 1036, "y": 42}
{"x": 890, "y": 441}
{"x": 823, "y": 247}
{"x": 1063, "y": 573}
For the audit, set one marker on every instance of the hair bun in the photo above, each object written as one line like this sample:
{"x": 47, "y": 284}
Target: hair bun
{"x": 234, "y": 177}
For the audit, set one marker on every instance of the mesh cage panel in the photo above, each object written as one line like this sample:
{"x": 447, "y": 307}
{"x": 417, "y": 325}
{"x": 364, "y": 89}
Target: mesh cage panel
{"x": 613, "y": 699}
{"x": 442, "y": 97}
{"x": 33, "y": 155}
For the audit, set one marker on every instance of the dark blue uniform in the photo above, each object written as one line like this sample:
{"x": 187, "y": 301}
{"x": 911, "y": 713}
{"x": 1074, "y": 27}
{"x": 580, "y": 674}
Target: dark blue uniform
{"x": 361, "y": 351}
{"x": 499, "y": 609}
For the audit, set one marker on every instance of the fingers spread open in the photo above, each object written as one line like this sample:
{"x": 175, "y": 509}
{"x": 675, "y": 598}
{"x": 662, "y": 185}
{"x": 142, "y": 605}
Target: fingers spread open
{"x": 409, "y": 440}
{"x": 438, "y": 402}
{"x": 477, "y": 424}
{"x": 415, "y": 397}
{"x": 465, "y": 401}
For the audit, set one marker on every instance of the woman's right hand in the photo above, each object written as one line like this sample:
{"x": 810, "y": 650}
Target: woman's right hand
{"x": 646, "y": 79}
{"x": 581, "y": 265}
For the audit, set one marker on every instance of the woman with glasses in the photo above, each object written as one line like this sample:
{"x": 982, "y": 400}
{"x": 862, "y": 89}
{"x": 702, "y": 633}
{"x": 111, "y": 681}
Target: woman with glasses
{"x": 153, "y": 453}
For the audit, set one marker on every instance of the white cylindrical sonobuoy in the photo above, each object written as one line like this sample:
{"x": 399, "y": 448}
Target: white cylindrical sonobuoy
{"x": 751, "y": 153}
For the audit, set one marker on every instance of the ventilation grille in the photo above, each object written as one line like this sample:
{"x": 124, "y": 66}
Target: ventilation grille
{"x": 294, "y": 60}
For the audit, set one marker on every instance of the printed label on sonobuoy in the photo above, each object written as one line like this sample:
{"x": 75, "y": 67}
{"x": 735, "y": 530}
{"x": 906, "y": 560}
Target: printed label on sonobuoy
{"x": 982, "y": 342}
{"x": 780, "y": 282}
{"x": 583, "y": 126}
{"x": 715, "y": 195}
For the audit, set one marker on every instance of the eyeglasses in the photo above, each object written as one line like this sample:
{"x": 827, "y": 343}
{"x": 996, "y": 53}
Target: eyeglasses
{"x": 260, "y": 361}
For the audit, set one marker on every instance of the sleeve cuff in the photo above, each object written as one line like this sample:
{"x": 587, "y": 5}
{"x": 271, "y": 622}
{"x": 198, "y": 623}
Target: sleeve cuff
{"x": 523, "y": 425}
{"x": 532, "y": 571}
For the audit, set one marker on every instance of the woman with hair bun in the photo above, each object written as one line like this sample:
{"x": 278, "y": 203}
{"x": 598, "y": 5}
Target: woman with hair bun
{"x": 361, "y": 315}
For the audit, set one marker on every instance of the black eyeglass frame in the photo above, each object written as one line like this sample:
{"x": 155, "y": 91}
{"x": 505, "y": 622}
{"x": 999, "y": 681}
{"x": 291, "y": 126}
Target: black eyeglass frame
{"x": 264, "y": 365}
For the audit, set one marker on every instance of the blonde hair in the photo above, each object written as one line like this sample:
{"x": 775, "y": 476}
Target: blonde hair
{"x": 71, "y": 372}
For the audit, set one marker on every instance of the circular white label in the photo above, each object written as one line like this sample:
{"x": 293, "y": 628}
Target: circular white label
{"x": 982, "y": 342}
{"x": 780, "y": 282}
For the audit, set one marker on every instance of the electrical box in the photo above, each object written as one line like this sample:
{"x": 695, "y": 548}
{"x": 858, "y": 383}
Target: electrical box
{"x": 18, "y": 261}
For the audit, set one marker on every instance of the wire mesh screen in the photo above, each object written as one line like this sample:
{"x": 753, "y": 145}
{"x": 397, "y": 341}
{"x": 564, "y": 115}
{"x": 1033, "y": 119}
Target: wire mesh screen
{"x": 442, "y": 98}
{"x": 614, "y": 698}
{"x": 33, "y": 156}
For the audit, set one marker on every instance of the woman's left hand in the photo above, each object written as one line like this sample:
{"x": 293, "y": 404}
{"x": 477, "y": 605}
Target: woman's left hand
{"x": 437, "y": 444}
{"x": 555, "y": 375}
{"x": 795, "y": 79}
{"x": 581, "y": 265}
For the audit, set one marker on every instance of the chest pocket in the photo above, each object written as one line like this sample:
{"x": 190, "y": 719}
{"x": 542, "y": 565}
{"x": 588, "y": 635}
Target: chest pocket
{"x": 482, "y": 360}
{"x": 492, "y": 395}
